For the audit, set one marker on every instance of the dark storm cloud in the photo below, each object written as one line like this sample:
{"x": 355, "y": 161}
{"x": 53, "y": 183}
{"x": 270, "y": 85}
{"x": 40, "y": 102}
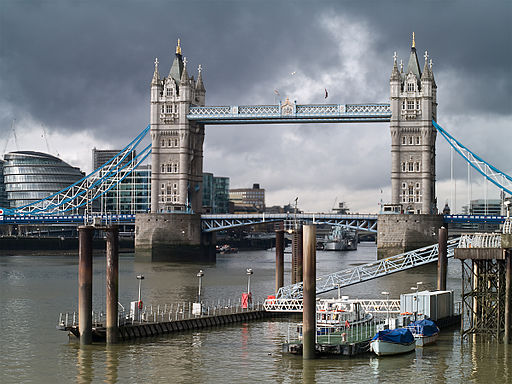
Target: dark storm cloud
{"x": 86, "y": 66}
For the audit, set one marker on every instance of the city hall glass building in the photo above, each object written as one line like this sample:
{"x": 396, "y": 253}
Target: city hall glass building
{"x": 31, "y": 176}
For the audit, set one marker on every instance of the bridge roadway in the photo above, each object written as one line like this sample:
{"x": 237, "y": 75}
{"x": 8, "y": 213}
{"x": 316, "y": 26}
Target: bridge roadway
{"x": 219, "y": 222}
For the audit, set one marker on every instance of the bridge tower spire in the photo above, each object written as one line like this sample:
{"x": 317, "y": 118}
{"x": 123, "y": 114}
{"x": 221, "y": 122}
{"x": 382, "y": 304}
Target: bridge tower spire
{"x": 177, "y": 144}
{"x": 413, "y": 106}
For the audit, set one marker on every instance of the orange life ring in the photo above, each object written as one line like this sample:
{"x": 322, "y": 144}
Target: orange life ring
{"x": 140, "y": 304}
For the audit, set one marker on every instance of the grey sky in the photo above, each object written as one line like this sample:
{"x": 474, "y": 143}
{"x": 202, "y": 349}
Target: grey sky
{"x": 82, "y": 70}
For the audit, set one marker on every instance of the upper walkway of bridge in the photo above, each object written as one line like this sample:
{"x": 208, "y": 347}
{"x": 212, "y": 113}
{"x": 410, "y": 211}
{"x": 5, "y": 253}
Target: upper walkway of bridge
{"x": 288, "y": 112}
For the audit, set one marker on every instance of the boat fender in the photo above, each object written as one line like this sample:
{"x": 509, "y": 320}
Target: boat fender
{"x": 140, "y": 304}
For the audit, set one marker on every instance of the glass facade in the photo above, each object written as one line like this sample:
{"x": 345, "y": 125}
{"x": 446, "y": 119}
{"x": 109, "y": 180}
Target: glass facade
{"x": 132, "y": 195}
{"x": 4, "y": 203}
{"x": 31, "y": 176}
{"x": 215, "y": 194}
{"x": 221, "y": 195}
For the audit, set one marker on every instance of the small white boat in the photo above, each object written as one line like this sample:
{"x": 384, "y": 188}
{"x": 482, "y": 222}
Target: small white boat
{"x": 393, "y": 342}
{"x": 425, "y": 332}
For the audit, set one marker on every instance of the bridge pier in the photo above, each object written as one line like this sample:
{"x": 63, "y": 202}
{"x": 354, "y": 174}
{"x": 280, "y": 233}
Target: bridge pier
{"x": 172, "y": 237}
{"x": 399, "y": 233}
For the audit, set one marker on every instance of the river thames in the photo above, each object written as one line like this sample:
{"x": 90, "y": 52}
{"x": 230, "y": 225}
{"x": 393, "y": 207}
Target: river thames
{"x": 35, "y": 289}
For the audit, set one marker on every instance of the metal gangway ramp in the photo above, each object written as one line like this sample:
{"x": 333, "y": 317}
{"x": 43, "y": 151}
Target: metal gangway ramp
{"x": 290, "y": 296}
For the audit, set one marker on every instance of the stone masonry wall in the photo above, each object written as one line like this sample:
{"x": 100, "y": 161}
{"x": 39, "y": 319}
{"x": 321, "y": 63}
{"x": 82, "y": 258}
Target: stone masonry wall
{"x": 398, "y": 233}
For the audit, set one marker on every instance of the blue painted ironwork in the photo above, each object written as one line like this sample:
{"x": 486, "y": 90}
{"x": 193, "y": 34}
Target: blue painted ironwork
{"x": 490, "y": 172}
{"x": 219, "y": 222}
{"x": 307, "y": 113}
{"x": 63, "y": 219}
{"x": 90, "y": 187}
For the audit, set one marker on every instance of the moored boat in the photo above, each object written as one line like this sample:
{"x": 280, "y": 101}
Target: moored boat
{"x": 425, "y": 332}
{"x": 393, "y": 342}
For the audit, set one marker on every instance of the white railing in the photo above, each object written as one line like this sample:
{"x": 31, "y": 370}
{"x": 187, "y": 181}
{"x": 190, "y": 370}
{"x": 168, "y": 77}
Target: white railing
{"x": 480, "y": 240}
{"x": 166, "y": 313}
{"x": 295, "y": 305}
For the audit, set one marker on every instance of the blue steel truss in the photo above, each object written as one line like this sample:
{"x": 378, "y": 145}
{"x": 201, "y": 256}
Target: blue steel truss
{"x": 491, "y": 173}
{"x": 81, "y": 194}
{"x": 291, "y": 113}
{"x": 219, "y": 222}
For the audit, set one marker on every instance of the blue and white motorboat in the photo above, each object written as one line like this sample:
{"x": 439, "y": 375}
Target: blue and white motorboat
{"x": 393, "y": 342}
{"x": 424, "y": 331}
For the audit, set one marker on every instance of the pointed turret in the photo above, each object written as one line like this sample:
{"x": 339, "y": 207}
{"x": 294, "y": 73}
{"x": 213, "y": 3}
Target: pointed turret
{"x": 156, "y": 75}
{"x": 177, "y": 65}
{"x": 426, "y": 75}
{"x": 395, "y": 75}
{"x": 199, "y": 82}
{"x": 413, "y": 66}
{"x": 184, "y": 75}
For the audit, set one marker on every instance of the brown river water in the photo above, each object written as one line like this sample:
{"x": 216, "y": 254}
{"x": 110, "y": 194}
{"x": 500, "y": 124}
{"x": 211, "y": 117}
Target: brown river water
{"x": 35, "y": 289}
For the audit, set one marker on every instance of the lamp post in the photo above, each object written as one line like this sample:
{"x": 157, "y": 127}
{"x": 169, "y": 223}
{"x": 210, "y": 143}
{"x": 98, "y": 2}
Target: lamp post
{"x": 387, "y": 305}
{"x": 200, "y": 274}
{"x": 140, "y": 278}
{"x": 249, "y": 273}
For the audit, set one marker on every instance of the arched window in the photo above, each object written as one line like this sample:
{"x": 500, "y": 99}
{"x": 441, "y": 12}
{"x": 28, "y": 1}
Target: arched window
{"x": 163, "y": 143}
{"x": 403, "y": 167}
{"x": 404, "y": 140}
{"x": 410, "y": 140}
{"x": 417, "y": 140}
{"x": 163, "y": 168}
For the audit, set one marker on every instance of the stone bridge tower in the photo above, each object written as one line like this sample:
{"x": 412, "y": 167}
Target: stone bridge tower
{"x": 413, "y": 137}
{"x": 177, "y": 144}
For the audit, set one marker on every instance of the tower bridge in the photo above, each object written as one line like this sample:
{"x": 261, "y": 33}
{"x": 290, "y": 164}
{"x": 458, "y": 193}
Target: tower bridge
{"x": 178, "y": 116}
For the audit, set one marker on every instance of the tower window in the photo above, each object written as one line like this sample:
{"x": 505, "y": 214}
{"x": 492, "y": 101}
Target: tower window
{"x": 168, "y": 91}
{"x": 410, "y": 104}
{"x": 168, "y": 109}
{"x": 411, "y": 167}
{"x": 410, "y": 87}
{"x": 410, "y": 140}
{"x": 163, "y": 143}
{"x": 417, "y": 167}
{"x": 404, "y": 140}
{"x": 403, "y": 104}
{"x": 403, "y": 167}
{"x": 417, "y": 105}
{"x": 163, "y": 109}
{"x": 417, "y": 140}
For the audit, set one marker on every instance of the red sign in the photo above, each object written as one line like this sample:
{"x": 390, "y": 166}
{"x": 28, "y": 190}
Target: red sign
{"x": 246, "y": 300}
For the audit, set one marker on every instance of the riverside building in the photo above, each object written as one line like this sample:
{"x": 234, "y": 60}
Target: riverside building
{"x": 31, "y": 176}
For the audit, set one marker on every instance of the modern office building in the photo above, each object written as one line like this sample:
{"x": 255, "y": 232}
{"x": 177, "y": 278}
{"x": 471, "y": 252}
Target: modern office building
{"x": 248, "y": 199}
{"x": 3, "y": 195}
{"x": 484, "y": 207}
{"x": 31, "y": 176}
{"x": 132, "y": 195}
{"x": 215, "y": 194}
{"x": 101, "y": 156}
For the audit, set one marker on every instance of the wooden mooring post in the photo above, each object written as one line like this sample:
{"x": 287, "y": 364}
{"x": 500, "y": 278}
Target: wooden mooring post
{"x": 85, "y": 234}
{"x": 112, "y": 288}
{"x": 309, "y": 293}
{"x": 279, "y": 258}
{"x": 442, "y": 260}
